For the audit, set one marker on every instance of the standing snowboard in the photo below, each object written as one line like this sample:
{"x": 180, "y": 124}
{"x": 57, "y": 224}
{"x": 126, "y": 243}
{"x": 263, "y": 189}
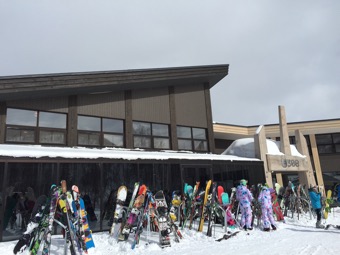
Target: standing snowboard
{"x": 163, "y": 219}
{"x": 117, "y": 217}
{"x": 207, "y": 188}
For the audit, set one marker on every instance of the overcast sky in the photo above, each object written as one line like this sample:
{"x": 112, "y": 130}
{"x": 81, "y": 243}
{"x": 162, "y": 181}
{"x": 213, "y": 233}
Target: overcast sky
{"x": 280, "y": 52}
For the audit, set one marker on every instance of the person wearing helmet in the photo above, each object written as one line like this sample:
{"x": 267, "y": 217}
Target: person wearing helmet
{"x": 244, "y": 197}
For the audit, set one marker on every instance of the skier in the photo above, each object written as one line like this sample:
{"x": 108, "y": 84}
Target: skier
{"x": 315, "y": 198}
{"x": 244, "y": 197}
{"x": 265, "y": 200}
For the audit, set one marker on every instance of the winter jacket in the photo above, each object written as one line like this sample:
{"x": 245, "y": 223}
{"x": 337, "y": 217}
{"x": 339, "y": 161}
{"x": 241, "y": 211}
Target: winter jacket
{"x": 265, "y": 198}
{"x": 244, "y": 196}
{"x": 315, "y": 199}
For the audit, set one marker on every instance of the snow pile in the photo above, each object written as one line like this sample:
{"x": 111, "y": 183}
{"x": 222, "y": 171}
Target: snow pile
{"x": 293, "y": 237}
{"x": 245, "y": 147}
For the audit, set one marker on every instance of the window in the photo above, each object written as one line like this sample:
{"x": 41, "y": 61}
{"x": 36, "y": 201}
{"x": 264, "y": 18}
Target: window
{"x": 96, "y": 131}
{"x": 192, "y": 139}
{"x": 328, "y": 143}
{"x": 151, "y": 135}
{"x": 35, "y": 127}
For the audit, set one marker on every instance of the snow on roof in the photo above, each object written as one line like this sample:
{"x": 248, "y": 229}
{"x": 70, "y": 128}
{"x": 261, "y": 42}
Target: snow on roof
{"x": 38, "y": 151}
{"x": 245, "y": 148}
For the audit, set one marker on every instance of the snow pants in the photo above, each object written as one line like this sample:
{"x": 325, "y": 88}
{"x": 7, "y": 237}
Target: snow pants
{"x": 246, "y": 215}
{"x": 267, "y": 217}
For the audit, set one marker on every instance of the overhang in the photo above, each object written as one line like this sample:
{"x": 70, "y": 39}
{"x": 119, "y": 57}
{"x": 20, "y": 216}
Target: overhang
{"x": 63, "y": 84}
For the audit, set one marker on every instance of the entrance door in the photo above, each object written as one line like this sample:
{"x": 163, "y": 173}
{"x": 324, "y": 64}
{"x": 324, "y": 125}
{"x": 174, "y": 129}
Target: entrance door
{"x": 192, "y": 173}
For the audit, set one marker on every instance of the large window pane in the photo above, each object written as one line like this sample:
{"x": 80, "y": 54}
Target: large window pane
{"x": 21, "y": 117}
{"x": 141, "y": 142}
{"x": 112, "y": 125}
{"x": 201, "y": 145}
{"x": 325, "y": 148}
{"x": 88, "y": 123}
{"x": 160, "y": 130}
{"x": 183, "y": 132}
{"x": 53, "y": 137}
{"x": 52, "y": 120}
{"x": 184, "y": 144}
{"x": 141, "y": 128}
{"x": 199, "y": 133}
{"x": 336, "y": 138}
{"x": 337, "y": 148}
{"x": 19, "y": 135}
{"x": 113, "y": 140}
{"x": 88, "y": 139}
{"x": 161, "y": 143}
{"x": 323, "y": 139}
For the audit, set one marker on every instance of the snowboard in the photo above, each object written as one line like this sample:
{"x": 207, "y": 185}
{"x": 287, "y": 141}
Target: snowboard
{"x": 328, "y": 202}
{"x": 220, "y": 191}
{"x": 212, "y": 208}
{"x": 47, "y": 235}
{"x": 135, "y": 213}
{"x": 117, "y": 217}
{"x": 163, "y": 219}
{"x": 144, "y": 215}
{"x": 85, "y": 225}
{"x": 203, "y": 205}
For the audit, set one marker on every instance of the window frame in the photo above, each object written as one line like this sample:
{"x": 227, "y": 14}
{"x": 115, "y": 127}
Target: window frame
{"x": 36, "y": 129}
{"x": 101, "y": 133}
{"x": 193, "y": 140}
{"x": 151, "y": 137}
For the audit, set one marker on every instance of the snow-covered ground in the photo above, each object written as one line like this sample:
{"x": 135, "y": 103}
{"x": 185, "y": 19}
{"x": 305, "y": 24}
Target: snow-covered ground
{"x": 292, "y": 237}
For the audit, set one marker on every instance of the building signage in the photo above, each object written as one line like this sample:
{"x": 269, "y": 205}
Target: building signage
{"x": 284, "y": 163}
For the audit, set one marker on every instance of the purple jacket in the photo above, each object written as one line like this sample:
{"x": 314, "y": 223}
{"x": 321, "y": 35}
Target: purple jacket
{"x": 265, "y": 198}
{"x": 244, "y": 196}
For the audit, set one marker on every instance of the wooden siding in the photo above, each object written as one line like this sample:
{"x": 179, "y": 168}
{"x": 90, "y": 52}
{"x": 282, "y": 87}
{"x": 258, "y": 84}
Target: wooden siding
{"x": 151, "y": 105}
{"x": 190, "y": 106}
{"x": 54, "y": 104}
{"x": 109, "y": 105}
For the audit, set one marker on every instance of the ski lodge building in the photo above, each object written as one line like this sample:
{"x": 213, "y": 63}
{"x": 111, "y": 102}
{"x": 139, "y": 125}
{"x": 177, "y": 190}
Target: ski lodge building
{"x": 100, "y": 130}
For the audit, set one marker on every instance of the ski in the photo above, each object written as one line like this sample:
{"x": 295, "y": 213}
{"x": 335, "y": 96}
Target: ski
{"x": 332, "y": 225}
{"x": 227, "y": 236}
{"x": 192, "y": 212}
{"x": 35, "y": 227}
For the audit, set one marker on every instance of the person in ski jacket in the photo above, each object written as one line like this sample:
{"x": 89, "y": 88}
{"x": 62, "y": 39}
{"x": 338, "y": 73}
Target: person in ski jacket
{"x": 315, "y": 198}
{"x": 244, "y": 197}
{"x": 265, "y": 200}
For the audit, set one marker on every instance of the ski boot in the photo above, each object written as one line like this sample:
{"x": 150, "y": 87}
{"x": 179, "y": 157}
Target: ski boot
{"x": 319, "y": 225}
{"x": 273, "y": 227}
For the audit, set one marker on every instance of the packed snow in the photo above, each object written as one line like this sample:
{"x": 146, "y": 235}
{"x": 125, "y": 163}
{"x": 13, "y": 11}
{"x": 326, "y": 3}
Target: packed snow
{"x": 292, "y": 237}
